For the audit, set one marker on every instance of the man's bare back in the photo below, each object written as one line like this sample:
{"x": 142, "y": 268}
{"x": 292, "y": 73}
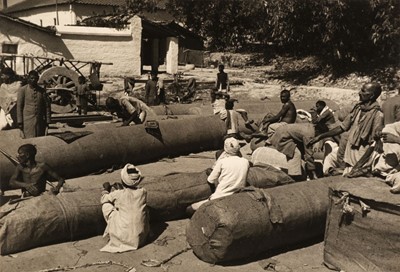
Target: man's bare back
{"x": 289, "y": 113}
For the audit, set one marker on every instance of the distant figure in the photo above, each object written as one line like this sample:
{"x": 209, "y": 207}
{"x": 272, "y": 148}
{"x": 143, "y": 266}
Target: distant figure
{"x": 222, "y": 83}
{"x": 190, "y": 92}
{"x": 228, "y": 175}
{"x": 129, "y": 108}
{"x": 33, "y": 108}
{"x": 154, "y": 90}
{"x": 287, "y": 115}
{"x": 30, "y": 176}
{"x": 8, "y": 98}
{"x": 82, "y": 95}
{"x": 219, "y": 95}
{"x": 129, "y": 84}
{"x": 125, "y": 212}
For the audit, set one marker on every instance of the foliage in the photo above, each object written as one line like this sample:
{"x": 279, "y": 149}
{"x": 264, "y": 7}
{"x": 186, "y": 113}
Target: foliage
{"x": 344, "y": 32}
{"x": 225, "y": 23}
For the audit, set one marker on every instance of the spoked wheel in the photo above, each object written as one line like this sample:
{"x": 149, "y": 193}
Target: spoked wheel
{"x": 60, "y": 83}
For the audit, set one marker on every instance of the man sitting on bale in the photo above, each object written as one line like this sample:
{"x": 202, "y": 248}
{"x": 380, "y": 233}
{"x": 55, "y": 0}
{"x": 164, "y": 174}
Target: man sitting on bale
{"x": 364, "y": 124}
{"x": 126, "y": 212}
{"x": 129, "y": 108}
{"x": 30, "y": 176}
{"x": 323, "y": 117}
{"x": 231, "y": 118}
{"x": 287, "y": 115}
{"x": 228, "y": 175}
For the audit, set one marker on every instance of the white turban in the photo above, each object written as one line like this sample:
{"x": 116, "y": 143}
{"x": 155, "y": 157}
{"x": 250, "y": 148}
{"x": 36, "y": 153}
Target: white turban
{"x": 130, "y": 175}
{"x": 231, "y": 146}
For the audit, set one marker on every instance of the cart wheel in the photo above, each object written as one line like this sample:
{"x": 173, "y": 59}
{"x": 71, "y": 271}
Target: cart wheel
{"x": 60, "y": 82}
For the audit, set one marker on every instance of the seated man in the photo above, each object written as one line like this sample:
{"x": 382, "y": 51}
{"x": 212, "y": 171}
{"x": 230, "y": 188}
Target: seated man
{"x": 323, "y": 117}
{"x": 387, "y": 163}
{"x": 231, "y": 118}
{"x": 364, "y": 123}
{"x": 287, "y": 115}
{"x": 228, "y": 175}
{"x": 30, "y": 176}
{"x": 128, "y": 108}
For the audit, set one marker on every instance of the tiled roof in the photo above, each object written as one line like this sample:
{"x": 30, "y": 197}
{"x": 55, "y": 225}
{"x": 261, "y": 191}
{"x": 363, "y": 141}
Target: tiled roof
{"x": 29, "y": 24}
{"x": 30, "y": 4}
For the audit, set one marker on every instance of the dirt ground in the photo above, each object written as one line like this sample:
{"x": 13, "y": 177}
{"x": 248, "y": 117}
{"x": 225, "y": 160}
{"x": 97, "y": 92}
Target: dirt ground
{"x": 169, "y": 237}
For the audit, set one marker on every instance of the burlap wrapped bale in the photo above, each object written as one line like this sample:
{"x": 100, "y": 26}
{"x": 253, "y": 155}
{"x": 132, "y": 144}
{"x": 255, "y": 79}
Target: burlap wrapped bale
{"x": 49, "y": 219}
{"x": 110, "y": 146}
{"x": 249, "y": 223}
{"x": 363, "y": 241}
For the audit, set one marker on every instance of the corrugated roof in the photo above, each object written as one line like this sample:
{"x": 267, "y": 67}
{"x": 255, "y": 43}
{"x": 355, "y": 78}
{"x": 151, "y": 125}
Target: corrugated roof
{"x": 30, "y": 4}
{"x": 29, "y": 24}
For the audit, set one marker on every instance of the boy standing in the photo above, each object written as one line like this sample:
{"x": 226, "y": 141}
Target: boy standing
{"x": 82, "y": 92}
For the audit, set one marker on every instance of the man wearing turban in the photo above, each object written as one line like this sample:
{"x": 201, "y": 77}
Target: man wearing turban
{"x": 125, "y": 212}
{"x": 228, "y": 175}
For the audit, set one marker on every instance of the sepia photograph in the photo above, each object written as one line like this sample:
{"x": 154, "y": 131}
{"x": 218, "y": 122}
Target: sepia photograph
{"x": 200, "y": 135}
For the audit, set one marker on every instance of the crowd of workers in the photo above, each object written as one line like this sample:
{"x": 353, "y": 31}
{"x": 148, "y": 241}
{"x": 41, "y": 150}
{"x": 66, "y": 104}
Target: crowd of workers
{"x": 365, "y": 143}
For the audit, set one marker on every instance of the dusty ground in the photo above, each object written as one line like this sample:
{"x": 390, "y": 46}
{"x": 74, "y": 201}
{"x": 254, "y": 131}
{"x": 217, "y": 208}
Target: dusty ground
{"x": 169, "y": 237}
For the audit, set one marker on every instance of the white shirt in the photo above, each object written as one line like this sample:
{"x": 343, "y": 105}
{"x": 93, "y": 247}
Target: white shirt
{"x": 230, "y": 173}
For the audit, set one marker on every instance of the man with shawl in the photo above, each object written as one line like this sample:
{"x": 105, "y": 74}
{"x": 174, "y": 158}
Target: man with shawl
{"x": 364, "y": 123}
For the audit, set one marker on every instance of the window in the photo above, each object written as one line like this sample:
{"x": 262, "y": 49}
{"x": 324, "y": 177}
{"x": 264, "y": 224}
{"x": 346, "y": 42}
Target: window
{"x": 9, "y": 48}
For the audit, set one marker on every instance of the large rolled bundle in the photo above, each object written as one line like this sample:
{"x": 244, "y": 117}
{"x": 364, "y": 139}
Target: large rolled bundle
{"x": 252, "y": 107}
{"x": 112, "y": 146}
{"x": 249, "y": 223}
{"x": 49, "y": 219}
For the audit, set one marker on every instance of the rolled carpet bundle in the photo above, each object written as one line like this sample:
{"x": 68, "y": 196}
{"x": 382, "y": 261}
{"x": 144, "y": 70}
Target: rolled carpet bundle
{"x": 251, "y": 222}
{"x": 115, "y": 146}
{"x": 50, "y": 219}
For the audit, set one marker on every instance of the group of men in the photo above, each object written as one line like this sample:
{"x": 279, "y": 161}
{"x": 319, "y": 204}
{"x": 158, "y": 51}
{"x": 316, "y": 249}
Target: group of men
{"x": 370, "y": 146}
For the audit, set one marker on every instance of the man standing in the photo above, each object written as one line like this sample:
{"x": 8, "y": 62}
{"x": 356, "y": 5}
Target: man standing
{"x": 364, "y": 123}
{"x": 154, "y": 90}
{"x": 33, "y": 108}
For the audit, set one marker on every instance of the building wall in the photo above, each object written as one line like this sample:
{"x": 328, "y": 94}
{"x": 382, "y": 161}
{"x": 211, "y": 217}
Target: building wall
{"x": 67, "y": 14}
{"x": 31, "y": 41}
{"x": 107, "y": 47}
